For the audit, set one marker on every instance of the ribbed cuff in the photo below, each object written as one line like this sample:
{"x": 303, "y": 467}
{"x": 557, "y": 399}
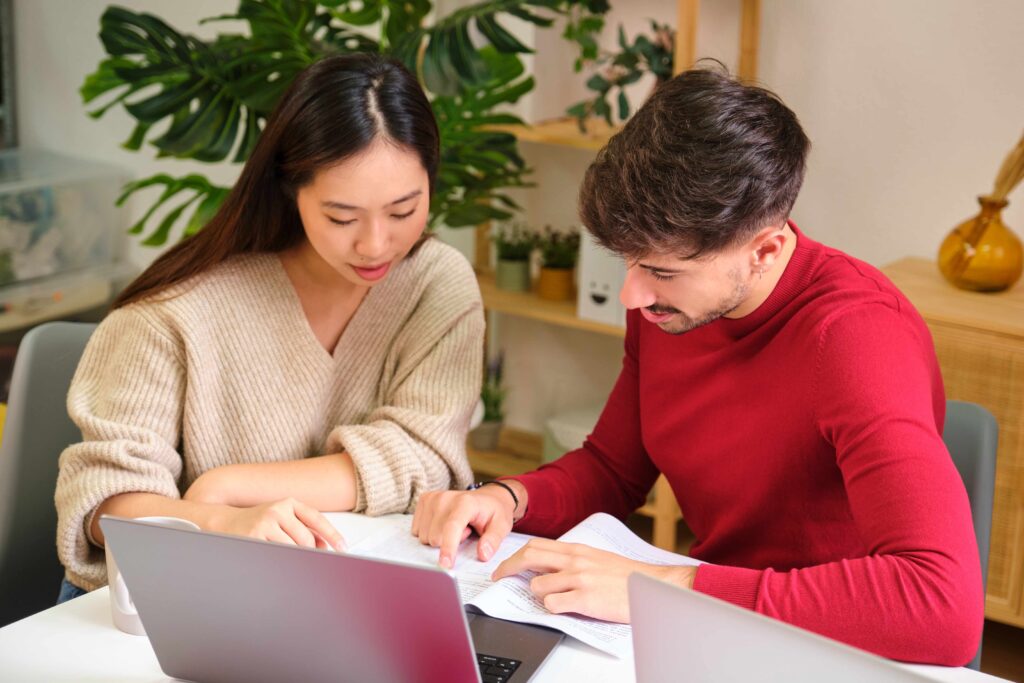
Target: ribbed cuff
{"x": 544, "y": 514}
{"x": 732, "y": 584}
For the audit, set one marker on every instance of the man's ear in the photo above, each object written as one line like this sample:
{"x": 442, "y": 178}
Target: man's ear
{"x": 767, "y": 246}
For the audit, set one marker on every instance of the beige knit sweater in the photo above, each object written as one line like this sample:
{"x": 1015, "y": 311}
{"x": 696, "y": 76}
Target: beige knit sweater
{"x": 229, "y": 371}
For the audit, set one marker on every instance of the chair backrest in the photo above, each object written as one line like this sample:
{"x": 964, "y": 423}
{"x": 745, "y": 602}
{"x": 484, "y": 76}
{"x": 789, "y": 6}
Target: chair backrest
{"x": 971, "y": 435}
{"x": 37, "y": 429}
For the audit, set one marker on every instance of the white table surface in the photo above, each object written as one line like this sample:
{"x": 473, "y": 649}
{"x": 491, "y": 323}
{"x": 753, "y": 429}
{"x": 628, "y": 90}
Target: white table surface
{"x": 78, "y": 642}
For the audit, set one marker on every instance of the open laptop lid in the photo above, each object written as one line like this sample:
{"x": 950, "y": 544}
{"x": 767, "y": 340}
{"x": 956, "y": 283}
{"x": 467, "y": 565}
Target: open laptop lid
{"x": 271, "y": 612}
{"x": 681, "y": 634}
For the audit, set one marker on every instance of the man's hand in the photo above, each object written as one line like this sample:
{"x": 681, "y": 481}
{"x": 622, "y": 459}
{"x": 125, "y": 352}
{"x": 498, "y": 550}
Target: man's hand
{"x": 286, "y": 521}
{"x": 577, "y": 578}
{"x": 444, "y": 519}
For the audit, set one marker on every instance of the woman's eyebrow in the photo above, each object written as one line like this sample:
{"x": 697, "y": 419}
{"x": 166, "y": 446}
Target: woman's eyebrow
{"x": 350, "y": 207}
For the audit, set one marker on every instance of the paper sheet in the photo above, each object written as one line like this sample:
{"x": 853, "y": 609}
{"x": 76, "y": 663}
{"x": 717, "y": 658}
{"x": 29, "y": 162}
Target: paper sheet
{"x": 472, "y": 575}
{"x": 511, "y": 598}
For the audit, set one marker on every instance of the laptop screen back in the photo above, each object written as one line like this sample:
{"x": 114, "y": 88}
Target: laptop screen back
{"x": 682, "y": 635}
{"x": 222, "y": 608}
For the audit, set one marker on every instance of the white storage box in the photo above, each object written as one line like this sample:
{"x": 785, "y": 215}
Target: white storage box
{"x": 567, "y": 431}
{"x": 601, "y": 276}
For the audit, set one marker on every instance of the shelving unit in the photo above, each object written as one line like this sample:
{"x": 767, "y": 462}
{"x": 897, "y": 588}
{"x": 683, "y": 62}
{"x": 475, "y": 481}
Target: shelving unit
{"x": 519, "y": 451}
{"x": 529, "y": 305}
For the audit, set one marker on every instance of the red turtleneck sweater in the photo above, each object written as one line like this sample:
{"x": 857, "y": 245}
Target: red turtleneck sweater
{"x": 803, "y": 444}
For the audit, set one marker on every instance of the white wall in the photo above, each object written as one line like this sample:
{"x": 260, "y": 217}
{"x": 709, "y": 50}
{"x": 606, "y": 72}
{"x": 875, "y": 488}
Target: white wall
{"x": 911, "y": 106}
{"x": 56, "y": 45}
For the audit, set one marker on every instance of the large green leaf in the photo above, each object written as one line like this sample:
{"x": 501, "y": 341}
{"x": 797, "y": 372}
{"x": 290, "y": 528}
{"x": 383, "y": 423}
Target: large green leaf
{"x": 477, "y": 161}
{"x": 207, "y": 89}
{"x": 194, "y": 188}
{"x": 208, "y": 99}
{"x": 451, "y": 54}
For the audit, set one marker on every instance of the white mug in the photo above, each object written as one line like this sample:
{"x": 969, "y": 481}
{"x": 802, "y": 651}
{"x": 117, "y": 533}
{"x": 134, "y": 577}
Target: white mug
{"x": 122, "y": 609}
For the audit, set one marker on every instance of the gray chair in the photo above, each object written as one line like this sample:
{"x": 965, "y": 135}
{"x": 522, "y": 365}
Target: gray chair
{"x": 36, "y": 430}
{"x": 971, "y": 435}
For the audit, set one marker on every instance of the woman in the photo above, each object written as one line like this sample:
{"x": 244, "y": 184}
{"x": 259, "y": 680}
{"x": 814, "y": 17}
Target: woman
{"x": 308, "y": 350}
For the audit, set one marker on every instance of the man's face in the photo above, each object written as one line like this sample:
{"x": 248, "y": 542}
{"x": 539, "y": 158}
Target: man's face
{"x": 682, "y": 294}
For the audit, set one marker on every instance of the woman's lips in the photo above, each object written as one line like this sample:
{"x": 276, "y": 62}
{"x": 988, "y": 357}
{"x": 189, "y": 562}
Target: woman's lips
{"x": 372, "y": 273}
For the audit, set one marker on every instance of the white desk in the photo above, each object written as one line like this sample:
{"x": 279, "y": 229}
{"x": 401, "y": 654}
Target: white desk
{"x": 77, "y": 642}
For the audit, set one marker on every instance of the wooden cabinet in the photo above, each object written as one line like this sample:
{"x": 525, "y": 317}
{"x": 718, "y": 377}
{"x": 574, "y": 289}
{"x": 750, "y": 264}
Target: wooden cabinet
{"x": 979, "y": 340}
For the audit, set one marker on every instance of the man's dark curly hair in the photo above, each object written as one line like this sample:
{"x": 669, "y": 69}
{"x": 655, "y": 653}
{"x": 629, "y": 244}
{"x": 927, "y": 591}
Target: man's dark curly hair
{"x": 704, "y": 164}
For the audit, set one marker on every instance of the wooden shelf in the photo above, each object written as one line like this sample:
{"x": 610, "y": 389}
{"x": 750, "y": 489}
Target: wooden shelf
{"x": 565, "y": 132}
{"x": 491, "y": 464}
{"x": 529, "y": 305}
{"x": 519, "y": 452}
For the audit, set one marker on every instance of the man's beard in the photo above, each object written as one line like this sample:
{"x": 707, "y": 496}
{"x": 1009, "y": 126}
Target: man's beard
{"x": 682, "y": 323}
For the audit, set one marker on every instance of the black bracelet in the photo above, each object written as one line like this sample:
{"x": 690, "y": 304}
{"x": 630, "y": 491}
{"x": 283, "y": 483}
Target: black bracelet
{"x": 503, "y": 485}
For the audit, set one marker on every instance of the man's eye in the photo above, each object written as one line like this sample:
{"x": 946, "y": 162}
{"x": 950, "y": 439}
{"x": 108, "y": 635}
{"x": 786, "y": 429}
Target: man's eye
{"x": 659, "y": 276}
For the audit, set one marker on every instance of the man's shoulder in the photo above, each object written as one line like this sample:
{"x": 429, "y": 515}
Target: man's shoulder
{"x": 843, "y": 284}
{"x": 853, "y": 299}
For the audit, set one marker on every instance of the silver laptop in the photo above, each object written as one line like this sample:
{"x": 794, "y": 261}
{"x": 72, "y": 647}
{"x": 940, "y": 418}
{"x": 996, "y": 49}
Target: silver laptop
{"x": 681, "y": 634}
{"x": 221, "y": 609}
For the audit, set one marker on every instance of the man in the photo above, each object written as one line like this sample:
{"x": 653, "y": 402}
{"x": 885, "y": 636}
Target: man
{"x": 789, "y": 393}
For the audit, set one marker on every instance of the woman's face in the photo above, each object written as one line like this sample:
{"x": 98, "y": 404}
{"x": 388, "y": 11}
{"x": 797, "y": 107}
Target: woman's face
{"x": 363, "y": 215}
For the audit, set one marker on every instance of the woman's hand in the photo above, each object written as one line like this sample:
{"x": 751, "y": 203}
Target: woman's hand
{"x": 286, "y": 521}
{"x": 577, "y": 578}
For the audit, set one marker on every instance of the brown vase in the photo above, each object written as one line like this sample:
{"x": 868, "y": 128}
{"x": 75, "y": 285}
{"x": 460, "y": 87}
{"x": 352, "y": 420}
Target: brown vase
{"x": 556, "y": 284}
{"x": 982, "y": 254}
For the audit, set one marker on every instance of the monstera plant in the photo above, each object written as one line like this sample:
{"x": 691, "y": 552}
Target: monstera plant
{"x": 208, "y": 100}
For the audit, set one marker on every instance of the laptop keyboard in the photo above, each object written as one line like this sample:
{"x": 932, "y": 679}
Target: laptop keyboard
{"x": 496, "y": 669}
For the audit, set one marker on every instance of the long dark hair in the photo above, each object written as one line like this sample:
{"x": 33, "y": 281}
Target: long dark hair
{"x": 333, "y": 110}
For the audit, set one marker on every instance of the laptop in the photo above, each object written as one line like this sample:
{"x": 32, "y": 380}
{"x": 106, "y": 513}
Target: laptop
{"x": 226, "y": 609}
{"x": 681, "y": 634}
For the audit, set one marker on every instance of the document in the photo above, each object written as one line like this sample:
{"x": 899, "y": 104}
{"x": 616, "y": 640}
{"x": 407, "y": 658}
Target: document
{"x": 511, "y": 598}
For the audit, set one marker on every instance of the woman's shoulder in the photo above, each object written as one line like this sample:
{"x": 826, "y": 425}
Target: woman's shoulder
{"x": 234, "y": 278}
{"x": 433, "y": 290}
{"x": 443, "y": 271}
{"x": 226, "y": 286}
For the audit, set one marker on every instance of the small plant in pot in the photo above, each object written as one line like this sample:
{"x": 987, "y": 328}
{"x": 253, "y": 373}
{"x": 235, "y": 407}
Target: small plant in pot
{"x": 559, "y": 250}
{"x": 485, "y": 436}
{"x": 514, "y": 244}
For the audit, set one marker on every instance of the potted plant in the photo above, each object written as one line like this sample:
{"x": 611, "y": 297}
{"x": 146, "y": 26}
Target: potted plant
{"x": 485, "y": 436}
{"x": 514, "y": 244}
{"x": 618, "y": 69}
{"x": 559, "y": 250}
{"x": 207, "y": 99}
